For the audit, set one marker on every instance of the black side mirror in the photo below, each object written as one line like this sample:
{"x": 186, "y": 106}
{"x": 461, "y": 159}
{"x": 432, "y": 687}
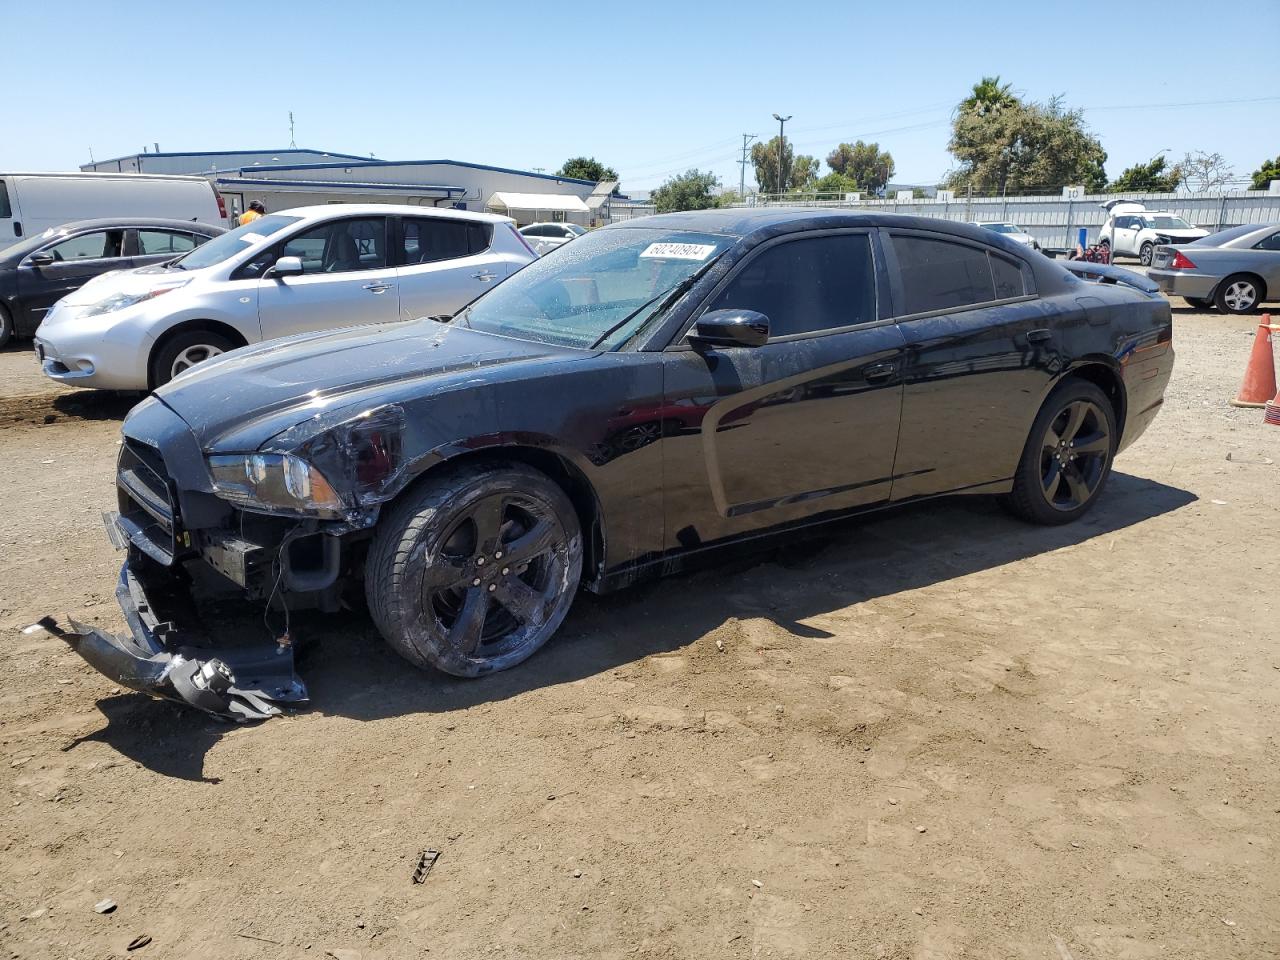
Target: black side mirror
{"x": 42, "y": 259}
{"x": 285, "y": 267}
{"x": 730, "y": 328}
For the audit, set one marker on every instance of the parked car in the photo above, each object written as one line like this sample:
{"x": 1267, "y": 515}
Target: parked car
{"x": 795, "y": 367}
{"x": 310, "y": 268}
{"x": 1132, "y": 230}
{"x": 1236, "y": 269}
{"x": 547, "y": 236}
{"x": 1012, "y": 231}
{"x": 31, "y": 203}
{"x": 42, "y": 269}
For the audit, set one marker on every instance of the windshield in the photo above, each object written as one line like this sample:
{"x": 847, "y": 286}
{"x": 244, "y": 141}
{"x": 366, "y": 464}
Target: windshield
{"x": 229, "y": 244}
{"x": 1167, "y": 223}
{"x": 597, "y": 291}
{"x": 1002, "y": 227}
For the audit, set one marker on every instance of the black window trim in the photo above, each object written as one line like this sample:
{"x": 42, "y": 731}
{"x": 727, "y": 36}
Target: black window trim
{"x": 895, "y": 273}
{"x": 680, "y": 342}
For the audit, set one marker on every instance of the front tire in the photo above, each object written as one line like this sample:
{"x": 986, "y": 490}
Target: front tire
{"x": 473, "y": 571}
{"x": 1239, "y": 293}
{"x": 1067, "y": 459}
{"x": 181, "y": 353}
{"x": 1146, "y": 254}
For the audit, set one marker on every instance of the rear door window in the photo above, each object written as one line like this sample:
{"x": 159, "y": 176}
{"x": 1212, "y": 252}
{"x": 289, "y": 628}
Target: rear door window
{"x": 941, "y": 275}
{"x": 153, "y": 242}
{"x": 90, "y": 246}
{"x": 430, "y": 240}
{"x": 1008, "y": 278}
{"x": 807, "y": 286}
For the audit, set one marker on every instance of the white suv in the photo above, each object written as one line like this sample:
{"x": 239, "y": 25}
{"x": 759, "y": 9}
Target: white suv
{"x": 310, "y": 268}
{"x": 1132, "y": 230}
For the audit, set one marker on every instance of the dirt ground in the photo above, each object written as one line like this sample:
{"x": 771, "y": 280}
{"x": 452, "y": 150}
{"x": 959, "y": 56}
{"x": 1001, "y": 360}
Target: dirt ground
{"x": 939, "y": 734}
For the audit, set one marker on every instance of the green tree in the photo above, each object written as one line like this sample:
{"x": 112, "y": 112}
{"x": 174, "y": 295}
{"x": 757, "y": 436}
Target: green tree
{"x": 1007, "y": 146}
{"x": 864, "y": 163}
{"x": 988, "y": 94}
{"x": 804, "y": 173}
{"x": 764, "y": 156}
{"x": 1148, "y": 178}
{"x": 835, "y": 184}
{"x": 1262, "y": 177}
{"x": 691, "y": 190}
{"x": 586, "y": 168}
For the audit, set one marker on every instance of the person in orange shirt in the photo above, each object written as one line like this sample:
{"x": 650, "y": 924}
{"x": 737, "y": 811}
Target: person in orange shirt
{"x": 256, "y": 209}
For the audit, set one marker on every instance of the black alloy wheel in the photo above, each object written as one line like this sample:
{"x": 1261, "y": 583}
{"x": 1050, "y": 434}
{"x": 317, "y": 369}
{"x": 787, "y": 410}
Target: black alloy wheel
{"x": 474, "y": 572}
{"x": 1068, "y": 456}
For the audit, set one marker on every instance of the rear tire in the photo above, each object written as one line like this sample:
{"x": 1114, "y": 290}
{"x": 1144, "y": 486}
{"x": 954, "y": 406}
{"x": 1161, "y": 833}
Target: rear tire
{"x": 6, "y": 328}
{"x": 1239, "y": 293}
{"x": 473, "y": 571}
{"x": 1067, "y": 458}
{"x": 184, "y": 351}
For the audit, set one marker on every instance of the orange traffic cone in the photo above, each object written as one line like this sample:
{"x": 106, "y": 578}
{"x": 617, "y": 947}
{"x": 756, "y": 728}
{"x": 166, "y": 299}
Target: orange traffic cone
{"x": 1260, "y": 375}
{"x": 1273, "y": 411}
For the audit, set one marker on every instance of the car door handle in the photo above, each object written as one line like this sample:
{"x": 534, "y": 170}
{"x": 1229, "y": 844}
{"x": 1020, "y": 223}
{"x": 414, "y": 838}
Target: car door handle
{"x": 484, "y": 276}
{"x": 1039, "y": 336}
{"x": 880, "y": 371}
{"x": 378, "y": 287}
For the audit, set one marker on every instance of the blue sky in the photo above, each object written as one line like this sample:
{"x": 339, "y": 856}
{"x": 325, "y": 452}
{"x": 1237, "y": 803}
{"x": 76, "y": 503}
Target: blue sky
{"x": 649, "y": 88}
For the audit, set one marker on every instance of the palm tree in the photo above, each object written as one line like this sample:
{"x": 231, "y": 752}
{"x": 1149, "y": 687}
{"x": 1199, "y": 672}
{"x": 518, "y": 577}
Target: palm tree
{"x": 989, "y": 93}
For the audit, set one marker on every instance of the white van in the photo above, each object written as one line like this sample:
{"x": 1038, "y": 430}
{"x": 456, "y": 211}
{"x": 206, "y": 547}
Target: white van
{"x": 31, "y": 203}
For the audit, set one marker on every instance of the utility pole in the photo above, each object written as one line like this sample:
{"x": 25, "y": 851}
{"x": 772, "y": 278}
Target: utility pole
{"x": 292, "y": 142}
{"x": 782, "y": 145}
{"x": 742, "y": 180}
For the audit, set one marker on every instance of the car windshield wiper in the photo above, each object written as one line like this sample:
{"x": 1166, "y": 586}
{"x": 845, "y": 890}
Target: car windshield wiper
{"x": 673, "y": 291}
{"x": 174, "y": 265}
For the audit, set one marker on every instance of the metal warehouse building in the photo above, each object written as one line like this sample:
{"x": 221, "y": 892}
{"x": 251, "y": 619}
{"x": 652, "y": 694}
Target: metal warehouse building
{"x": 297, "y": 177}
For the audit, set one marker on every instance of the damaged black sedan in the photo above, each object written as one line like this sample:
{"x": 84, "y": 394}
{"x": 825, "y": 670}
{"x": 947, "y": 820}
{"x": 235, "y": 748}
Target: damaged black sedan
{"x": 654, "y": 391}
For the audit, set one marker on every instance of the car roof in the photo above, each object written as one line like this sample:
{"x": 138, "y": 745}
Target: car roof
{"x": 124, "y": 223}
{"x": 745, "y": 221}
{"x": 327, "y": 210}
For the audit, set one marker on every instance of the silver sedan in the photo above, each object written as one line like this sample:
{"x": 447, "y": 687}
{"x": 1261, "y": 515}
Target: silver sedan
{"x": 1235, "y": 269}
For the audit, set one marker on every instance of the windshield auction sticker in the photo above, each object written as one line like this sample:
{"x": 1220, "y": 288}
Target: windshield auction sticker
{"x": 251, "y": 237}
{"x": 678, "y": 251}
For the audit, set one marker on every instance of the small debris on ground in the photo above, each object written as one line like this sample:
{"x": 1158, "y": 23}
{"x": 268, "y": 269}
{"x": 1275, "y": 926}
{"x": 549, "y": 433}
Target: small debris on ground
{"x": 921, "y": 829}
{"x": 425, "y": 863}
{"x": 1229, "y": 923}
{"x": 577, "y": 874}
{"x": 757, "y": 883}
{"x": 104, "y": 906}
{"x": 720, "y": 645}
{"x": 893, "y": 801}
{"x": 138, "y": 942}
{"x": 36, "y": 914}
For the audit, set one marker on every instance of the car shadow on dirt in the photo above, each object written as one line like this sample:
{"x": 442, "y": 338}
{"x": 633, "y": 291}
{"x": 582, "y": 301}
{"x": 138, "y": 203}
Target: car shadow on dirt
{"x": 351, "y": 673}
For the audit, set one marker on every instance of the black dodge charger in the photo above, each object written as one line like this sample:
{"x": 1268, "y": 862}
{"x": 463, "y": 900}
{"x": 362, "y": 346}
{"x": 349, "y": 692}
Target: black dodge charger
{"x": 654, "y": 391}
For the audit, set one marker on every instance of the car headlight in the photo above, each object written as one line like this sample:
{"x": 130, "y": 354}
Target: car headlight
{"x": 362, "y": 453}
{"x": 274, "y": 483}
{"x": 119, "y": 301}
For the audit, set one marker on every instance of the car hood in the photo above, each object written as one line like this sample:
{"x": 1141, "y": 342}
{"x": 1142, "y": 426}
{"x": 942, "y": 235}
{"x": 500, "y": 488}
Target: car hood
{"x": 128, "y": 283}
{"x": 240, "y": 400}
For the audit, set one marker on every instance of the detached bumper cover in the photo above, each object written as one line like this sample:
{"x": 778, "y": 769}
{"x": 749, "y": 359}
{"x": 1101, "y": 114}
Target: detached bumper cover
{"x": 236, "y": 682}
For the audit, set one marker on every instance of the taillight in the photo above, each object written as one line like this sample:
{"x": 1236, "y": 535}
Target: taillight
{"x": 523, "y": 242}
{"x": 1181, "y": 262}
{"x": 222, "y": 205}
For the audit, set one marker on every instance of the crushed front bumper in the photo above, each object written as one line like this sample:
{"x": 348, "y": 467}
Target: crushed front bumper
{"x": 251, "y": 682}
